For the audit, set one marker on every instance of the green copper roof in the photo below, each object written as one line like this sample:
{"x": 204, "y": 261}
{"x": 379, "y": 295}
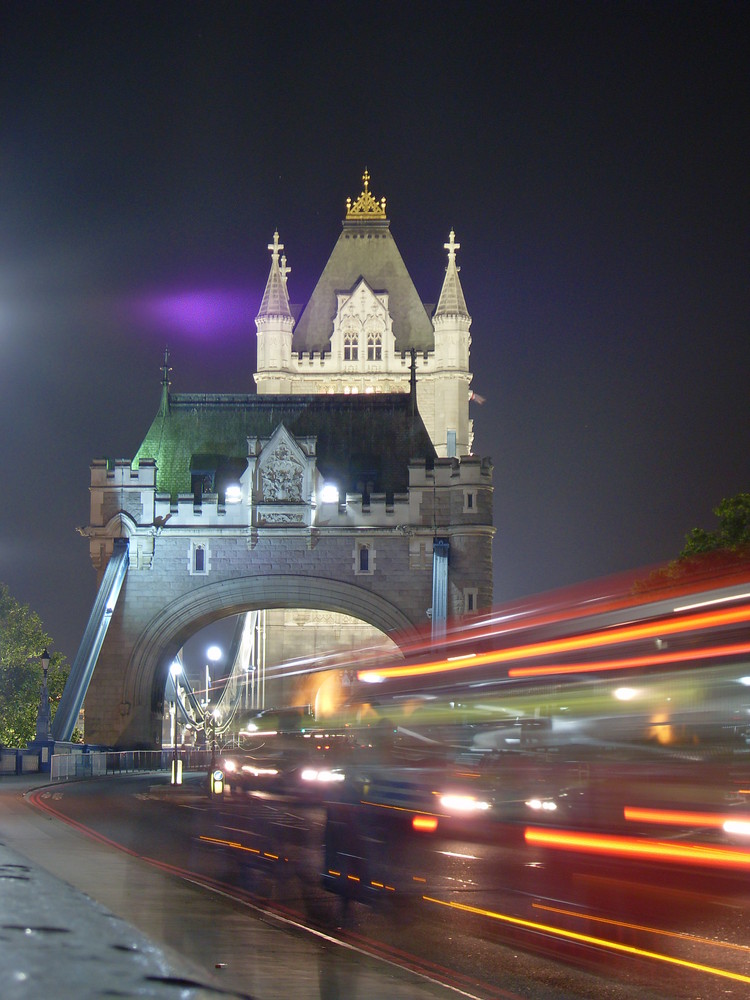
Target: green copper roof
{"x": 365, "y": 249}
{"x": 361, "y": 439}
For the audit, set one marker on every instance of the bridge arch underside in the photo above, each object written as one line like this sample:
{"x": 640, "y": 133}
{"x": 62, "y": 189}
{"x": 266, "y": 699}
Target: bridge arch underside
{"x": 167, "y": 632}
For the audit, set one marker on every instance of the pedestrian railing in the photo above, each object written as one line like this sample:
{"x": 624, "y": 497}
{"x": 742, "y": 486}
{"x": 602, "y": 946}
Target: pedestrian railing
{"x": 97, "y": 763}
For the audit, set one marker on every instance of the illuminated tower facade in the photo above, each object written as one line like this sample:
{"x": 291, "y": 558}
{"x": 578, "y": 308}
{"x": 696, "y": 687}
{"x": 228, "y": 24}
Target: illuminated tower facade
{"x": 364, "y": 326}
{"x": 345, "y": 485}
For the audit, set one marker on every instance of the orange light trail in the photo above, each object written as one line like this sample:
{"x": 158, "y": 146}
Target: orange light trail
{"x": 607, "y": 637}
{"x": 652, "y": 850}
{"x": 229, "y": 843}
{"x": 680, "y": 935}
{"x": 677, "y": 817}
{"x": 588, "y": 939}
{"x": 634, "y": 661}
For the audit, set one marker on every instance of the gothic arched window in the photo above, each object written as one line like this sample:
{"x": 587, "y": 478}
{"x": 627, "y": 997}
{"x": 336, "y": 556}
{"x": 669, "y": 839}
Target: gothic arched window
{"x": 351, "y": 345}
{"x": 374, "y": 345}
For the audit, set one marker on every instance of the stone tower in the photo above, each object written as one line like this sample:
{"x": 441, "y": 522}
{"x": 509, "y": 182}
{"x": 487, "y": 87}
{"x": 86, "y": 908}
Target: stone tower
{"x": 346, "y": 484}
{"x": 363, "y": 324}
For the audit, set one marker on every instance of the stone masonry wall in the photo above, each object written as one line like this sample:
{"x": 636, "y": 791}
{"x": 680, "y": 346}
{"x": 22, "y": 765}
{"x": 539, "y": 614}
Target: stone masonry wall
{"x": 166, "y": 596}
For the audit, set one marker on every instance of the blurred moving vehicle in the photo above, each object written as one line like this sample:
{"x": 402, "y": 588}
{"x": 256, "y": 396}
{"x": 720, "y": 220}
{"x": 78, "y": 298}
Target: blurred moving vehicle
{"x": 624, "y": 716}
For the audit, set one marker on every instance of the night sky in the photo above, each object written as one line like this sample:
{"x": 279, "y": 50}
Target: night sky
{"x": 591, "y": 157}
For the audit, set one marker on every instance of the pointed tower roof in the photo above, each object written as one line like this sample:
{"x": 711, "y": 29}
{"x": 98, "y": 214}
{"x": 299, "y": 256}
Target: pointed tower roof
{"x": 365, "y": 249}
{"x": 452, "y": 301}
{"x": 275, "y": 298}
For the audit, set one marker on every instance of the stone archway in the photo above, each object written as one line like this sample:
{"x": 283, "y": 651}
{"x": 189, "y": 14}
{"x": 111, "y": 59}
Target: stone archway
{"x": 145, "y": 676}
{"x": 269, "y": 536}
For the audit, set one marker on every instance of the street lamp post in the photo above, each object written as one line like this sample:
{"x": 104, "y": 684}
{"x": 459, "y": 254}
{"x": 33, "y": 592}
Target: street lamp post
{"x": 43, "y": 714}
{"x": 214, "y": 721}
{"x": 245, "y": 696}
{"x": 214, "y": 654}
{"x": 175, "y": 670}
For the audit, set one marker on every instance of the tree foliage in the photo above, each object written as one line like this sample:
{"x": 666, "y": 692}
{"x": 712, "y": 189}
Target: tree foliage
{"x": 22, "y": 642}
{"x": 709, "y": 554}
{"x": 732, "y": 535}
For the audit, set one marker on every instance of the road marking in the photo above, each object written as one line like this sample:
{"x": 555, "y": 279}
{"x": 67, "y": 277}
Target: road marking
{"x": 641, "y": 927}
{"x": 588, "y": 939}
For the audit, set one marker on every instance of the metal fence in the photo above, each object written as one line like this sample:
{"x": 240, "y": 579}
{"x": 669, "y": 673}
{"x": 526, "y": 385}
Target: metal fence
{"x": 97, "y": 763}
{"x": 14, "y": 761}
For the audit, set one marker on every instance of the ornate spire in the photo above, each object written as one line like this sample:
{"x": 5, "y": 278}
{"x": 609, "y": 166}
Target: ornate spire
{"x": 452, "y": 302}
{"x": 165, "y": 382}
{"x": 365, "y": 207}
{"x": 275, "y": 298}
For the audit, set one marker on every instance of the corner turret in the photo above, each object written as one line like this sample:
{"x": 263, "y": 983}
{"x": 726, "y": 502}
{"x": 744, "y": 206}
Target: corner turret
{"x": 453, "y": 433}
{"x": 274, "y": 324}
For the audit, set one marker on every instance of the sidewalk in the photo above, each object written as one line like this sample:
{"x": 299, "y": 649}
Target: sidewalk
{"x": 70, "y": 907}
{"x": 56, "y": 941}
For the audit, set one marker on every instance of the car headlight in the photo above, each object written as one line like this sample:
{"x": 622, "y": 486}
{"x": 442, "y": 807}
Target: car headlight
{"x": 737, "y": 826}
{"x": 230, "y": 766}
{"x": 547, "y": 805}
{"x": 322, "y": 775}
{"x": 463, "y": 803}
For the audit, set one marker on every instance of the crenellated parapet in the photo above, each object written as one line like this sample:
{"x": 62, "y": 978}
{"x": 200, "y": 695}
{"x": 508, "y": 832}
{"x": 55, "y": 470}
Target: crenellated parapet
{"x": 282, "y": 489}
{"x": 468, "y": 470}
{"x": 120, "y": 488}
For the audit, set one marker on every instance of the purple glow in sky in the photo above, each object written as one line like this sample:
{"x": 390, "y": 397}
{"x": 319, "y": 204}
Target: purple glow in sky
{"x": 200, "y": 313}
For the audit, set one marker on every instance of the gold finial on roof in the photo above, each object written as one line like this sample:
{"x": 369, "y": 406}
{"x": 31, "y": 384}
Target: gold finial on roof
{"x": 365, "y": 207}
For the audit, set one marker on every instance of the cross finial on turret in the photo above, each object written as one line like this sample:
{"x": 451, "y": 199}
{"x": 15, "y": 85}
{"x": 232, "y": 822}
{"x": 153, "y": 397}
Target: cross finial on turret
{"x": 366, "y": 178}
{"x": 275, "y": 247}
{"x": 283, "y": 269}
{"x": 451, "y": 246}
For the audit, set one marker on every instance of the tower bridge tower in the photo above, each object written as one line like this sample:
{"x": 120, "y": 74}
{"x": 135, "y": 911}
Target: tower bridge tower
{"x": 361, "y": 324}
{"x": 327, "y": 490}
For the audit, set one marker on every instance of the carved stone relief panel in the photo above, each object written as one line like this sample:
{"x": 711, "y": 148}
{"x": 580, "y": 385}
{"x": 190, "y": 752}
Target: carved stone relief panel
{"x": 281, "y": 476}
